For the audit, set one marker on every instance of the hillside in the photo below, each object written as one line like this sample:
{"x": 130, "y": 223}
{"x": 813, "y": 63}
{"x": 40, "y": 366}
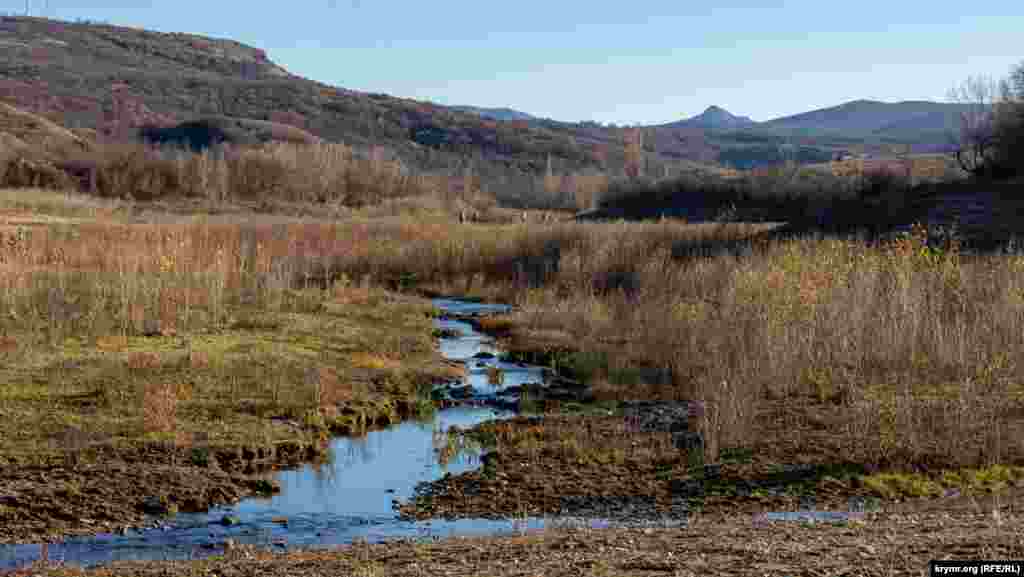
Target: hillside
{"x": 859, "y": 126}
{"x": 114, "y": 80}
{"x": 496, "y": 113}
{"x": 20, "y": 129}
{"x": 713, "y": 118}
{"x": 110, "y": 81}
{"x": 908, "y": 121}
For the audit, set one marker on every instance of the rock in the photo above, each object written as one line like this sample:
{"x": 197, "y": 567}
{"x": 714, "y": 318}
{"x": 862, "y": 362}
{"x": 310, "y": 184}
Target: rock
{"x": 193, "y": 505}
{"x": 157, "y": 506}
{"x": 266, "y": 486}
{"x": 686, "y": 441}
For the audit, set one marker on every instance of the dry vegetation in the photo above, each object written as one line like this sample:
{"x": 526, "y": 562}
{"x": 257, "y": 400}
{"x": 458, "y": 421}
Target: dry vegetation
{"x": 99, "y": 309}
{"x": 127, "y": 324}
{"x": 844, "y": 195}
{"x": 917, "y": 344}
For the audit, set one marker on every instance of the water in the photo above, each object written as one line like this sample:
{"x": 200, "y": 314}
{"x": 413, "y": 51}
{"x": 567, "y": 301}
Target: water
{"x": 811, "y": 516}
{"x": 349, "y": 498}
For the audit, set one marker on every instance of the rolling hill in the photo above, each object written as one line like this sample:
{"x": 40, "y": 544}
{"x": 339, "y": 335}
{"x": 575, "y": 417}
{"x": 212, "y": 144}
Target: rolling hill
{"x": 115, "y": 80}
{"x": 496, "y": 113}
{"x": 908, "y": 121}
{"x": 112, "y": 81}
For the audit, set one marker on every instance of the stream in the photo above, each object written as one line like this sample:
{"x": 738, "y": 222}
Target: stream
{"x": 351, "y": 497}
{"x": 348, "y": 498}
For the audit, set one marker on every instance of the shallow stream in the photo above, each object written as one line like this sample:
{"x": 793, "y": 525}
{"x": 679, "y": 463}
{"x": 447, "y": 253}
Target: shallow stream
{"x": 348, "y": 498}
{"x": 351, "y": 497}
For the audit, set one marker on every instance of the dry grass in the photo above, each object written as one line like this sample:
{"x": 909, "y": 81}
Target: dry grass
{"x": 918, "y": 346}
{"x": 136, "y": 330}
{"x": 289, "y": 172}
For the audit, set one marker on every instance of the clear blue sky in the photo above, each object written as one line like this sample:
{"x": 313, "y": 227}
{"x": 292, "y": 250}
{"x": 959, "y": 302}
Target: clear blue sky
{"x": 624, "y": 62}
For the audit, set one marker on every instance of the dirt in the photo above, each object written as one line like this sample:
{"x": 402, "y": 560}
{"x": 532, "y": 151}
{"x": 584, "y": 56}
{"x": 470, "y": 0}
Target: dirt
{"x": 600, "y": 467}
{"x": 131, "y": 488}
{"x": 879, "y": 544}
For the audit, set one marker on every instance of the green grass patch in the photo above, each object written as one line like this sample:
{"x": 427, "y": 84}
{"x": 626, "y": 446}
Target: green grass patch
{"x": 221, "y": 382}
{"x": 991, "y": 479}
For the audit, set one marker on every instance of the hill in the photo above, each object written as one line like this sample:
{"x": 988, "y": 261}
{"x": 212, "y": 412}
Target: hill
{"x": 496, "y": 113}
{"x": 112, "y": 81}
{"x": 115, "y": 80}
{"x": 20, "y": 130}
{"x": 909, "y": 121}
{"x": 713, "y": 118}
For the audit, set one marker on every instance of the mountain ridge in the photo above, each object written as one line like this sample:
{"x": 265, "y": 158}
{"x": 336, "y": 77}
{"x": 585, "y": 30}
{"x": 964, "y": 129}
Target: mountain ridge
{"x": 113, "y": 80}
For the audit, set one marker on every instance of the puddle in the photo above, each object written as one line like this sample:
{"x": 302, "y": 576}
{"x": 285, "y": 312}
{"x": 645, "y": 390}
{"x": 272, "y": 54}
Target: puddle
{"x": 811, "y": 516}
{"x": 350, "y": 497}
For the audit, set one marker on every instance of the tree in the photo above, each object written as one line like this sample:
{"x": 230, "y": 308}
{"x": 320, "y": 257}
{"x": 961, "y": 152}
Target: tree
{"x": 1010, "y": 123}
{"x": 976, "y": 135}
{"x": 1015, "y": 84}
{"x": 991, "y": 125}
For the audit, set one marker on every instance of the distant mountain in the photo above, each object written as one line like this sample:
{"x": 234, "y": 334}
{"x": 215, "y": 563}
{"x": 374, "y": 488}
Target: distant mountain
{"x": 910, "y": 120}
{"x": 111, "y": 81}
{"x": 496, "y": 113}
{"x": 714, "y": 118}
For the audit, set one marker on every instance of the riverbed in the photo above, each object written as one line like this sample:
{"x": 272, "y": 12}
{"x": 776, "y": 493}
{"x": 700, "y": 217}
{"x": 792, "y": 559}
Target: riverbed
{"x": 351, "y": 497}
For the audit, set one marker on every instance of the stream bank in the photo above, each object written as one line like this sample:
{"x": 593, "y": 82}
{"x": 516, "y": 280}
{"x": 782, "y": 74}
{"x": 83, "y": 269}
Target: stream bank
{"x": 350, "y": 495}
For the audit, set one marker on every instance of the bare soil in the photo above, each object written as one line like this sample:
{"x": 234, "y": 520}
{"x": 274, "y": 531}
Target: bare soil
{"x": 891, "y": 543}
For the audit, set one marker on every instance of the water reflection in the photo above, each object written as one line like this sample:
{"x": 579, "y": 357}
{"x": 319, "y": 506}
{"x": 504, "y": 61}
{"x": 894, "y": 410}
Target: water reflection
{"x": 351, "y": 496}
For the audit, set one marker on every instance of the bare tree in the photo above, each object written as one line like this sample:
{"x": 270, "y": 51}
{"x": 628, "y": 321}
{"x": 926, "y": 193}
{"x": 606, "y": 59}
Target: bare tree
{"x": 990, "y": 124}
{"x": 976, "y": 136}
{"x": 1014, "y": 86}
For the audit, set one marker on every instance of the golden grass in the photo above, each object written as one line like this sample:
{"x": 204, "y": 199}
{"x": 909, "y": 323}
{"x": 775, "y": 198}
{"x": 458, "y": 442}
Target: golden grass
{"x": 134, "y": 330}
{"x": 916, "y": 345}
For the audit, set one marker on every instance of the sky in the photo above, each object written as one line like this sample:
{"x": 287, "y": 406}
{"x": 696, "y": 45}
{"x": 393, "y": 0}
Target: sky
{"x": 628, "y": 63}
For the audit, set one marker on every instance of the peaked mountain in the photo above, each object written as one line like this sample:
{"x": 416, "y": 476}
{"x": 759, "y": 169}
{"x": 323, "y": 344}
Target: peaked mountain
{"x": 495, "y": 113}
{"x": 714, "y": 118}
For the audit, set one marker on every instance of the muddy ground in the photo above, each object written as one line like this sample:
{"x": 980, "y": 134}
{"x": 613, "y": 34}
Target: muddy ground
{"x": 124, "y": 488}
{"x": 893, "y": 543}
